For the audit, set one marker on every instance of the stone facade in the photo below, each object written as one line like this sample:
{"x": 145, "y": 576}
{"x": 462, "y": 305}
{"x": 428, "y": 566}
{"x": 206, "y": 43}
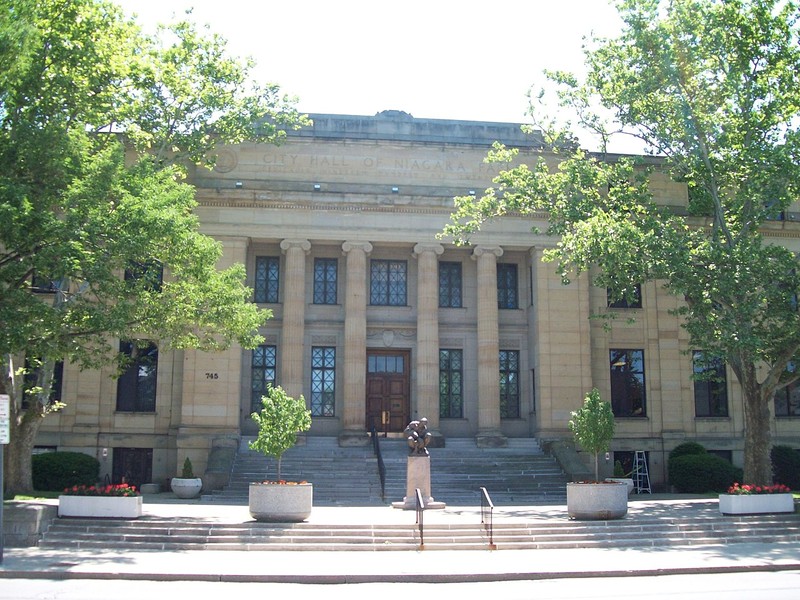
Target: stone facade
{"x": 355, "y": 204}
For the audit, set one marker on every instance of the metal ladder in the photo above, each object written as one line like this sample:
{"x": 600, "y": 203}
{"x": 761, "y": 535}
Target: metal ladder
{"x": 641, "y": 477}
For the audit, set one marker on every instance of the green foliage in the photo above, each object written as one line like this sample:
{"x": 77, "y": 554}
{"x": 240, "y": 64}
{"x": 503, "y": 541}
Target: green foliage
{"x": 710, "y": 87}
{"x": 99, "y": 124}
{"x": 702, "y": 473}
{"x": 187, "y": 472}
{"x": 279, "y": 421}
{"x": 593, "y": 426}
{"x": 55, "y": 471}
{"x": 786, "y": 466}
{"x": 687, "y": 448}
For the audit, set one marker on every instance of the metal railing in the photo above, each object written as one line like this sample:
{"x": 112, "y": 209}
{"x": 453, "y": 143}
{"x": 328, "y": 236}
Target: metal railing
{"x": 376, "y": 446}
{"x": 420, "y": 511}
{"x": 487, "y": 515}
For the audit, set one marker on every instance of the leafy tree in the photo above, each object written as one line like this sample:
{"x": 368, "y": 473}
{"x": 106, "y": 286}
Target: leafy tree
{"x": 279, "y": 421}
{"x": 593, "y": 427}
{"x": 711, "y": 87}
{"x": 98, "y": 125}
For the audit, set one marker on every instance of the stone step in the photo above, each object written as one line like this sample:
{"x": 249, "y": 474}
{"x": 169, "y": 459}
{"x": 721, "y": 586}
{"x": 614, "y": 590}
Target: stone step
{"x": 172, "y": 535}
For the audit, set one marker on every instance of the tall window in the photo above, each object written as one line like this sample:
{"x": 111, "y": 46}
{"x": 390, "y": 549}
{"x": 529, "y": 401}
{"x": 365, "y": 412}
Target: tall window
{"x": 323, "y": 381}
{"x": 450, "y": 284}
{"x": 133, "y": 466}
{"x": 710, "y": 386}
{"x": 149, "y": 275}
{"x": 509, "y": 384}
{"x": 325, "y": 277}
{"x": 451, "y": 391}
{"x": 136, "y": 387}
{"x": 635, "y": 301}
{"x": 388, "y": 283}
{"x": 787, "y": 399}
{"x": 267, "y": 278}
{"x": 507, "y": 296}
{"x": 262, "y": 374}
{"x": 627, "y": 383}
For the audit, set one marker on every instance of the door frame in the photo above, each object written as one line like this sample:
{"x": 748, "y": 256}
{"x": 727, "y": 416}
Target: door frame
{"x": 395, "y": 422}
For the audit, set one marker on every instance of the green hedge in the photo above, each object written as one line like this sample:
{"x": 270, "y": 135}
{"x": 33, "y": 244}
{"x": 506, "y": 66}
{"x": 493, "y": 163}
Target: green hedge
{"x": 702, "y": 473}
{"x": 687, "y": 448}
{"x": 54, "y": 471}
{"x": 786, "y": 466}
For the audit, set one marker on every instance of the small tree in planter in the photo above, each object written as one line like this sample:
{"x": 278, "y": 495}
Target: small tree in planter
{"x": 187, "y": 485}
{"x": 279, "y": 421}
{"x": 593, "y": 427}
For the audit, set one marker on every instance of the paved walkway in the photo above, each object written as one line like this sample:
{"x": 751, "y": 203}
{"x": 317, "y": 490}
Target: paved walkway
{"x": 422, "y": 566}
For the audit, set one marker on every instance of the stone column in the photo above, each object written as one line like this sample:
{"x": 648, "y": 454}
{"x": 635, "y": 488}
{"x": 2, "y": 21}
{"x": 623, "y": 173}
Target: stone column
{"x": 354, "y": 429}
{"x": 488, "y": 349}
{"x": 428, "y": 336}
{"x": 293, "y": 311}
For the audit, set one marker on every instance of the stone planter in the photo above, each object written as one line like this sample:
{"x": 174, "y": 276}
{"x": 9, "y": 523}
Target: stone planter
{"x": 626, "y": 480}
{"x": 280, "y": 502}
{"x": 597, "y": 501}
{"x": 118, "y": 507}
{"x": 186, "y": 488}
{"x": 754, "y": 504}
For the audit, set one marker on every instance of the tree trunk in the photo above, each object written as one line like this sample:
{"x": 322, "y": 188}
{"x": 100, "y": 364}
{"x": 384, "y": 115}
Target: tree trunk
{"x": 757, "y": 461}
{"x": 18, "y": 472}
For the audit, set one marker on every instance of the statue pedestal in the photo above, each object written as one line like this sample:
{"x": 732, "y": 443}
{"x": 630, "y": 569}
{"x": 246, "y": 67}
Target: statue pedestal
{"x": 418, "y": 476}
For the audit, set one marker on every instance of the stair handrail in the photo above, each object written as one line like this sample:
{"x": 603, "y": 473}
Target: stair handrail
{"x": 487, "y": 514}
{"x": 420, "y": 510}
{"x": 376, "y": 446}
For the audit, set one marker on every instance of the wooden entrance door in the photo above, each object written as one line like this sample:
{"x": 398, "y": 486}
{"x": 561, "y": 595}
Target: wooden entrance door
{"x": 388, "y": 384}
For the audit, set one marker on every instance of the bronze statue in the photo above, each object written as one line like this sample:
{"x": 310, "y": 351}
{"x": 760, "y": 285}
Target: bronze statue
{"x": 418, "y": 436}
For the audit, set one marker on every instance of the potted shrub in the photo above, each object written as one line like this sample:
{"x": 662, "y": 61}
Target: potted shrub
{"x": 279, "y": 421}
{"x": 748, "y": 499}
{"x": 187, "y": 485}
{"x": 593, "y": 428}
{"x": 107, "y": 501}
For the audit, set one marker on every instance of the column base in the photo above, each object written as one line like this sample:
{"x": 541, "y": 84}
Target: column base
{"x": 351, "y": 438}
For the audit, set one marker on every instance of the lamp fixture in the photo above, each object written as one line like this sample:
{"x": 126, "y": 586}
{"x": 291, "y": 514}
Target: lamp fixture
{"x": 317, "y": 187}
{"x": 238, "y": 185}
{"x": 395, "y": 190}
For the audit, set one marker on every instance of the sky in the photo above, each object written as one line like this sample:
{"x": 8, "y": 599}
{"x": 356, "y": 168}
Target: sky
{"x": 439, "y": 59}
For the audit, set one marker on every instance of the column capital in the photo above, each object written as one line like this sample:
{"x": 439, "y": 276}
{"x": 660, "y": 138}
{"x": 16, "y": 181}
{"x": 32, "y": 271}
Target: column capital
{"x": 437, "y": 249}
{"x": 304, "y": 245}
{"x": 481, "y": 250}
{"x": 353, "y": 245}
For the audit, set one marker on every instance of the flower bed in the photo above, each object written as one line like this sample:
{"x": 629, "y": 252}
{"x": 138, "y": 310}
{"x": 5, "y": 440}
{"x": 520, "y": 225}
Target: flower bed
{"x": 110, "y": 501}
{"x": 746, "y": 499}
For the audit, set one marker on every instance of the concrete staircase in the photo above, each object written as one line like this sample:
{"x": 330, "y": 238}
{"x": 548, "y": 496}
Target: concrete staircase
{"x": 518, "y": 474}
{"x": 162, "y": 534}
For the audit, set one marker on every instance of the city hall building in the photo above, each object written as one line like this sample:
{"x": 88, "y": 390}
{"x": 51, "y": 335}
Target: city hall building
{"x": 377, "y": 321}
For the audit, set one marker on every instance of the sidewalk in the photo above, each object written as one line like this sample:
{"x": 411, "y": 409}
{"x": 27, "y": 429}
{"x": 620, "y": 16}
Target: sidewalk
{"x": 390, "y": 566}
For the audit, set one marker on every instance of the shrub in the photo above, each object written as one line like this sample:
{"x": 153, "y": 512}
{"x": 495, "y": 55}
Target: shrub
{"x": 54, "y": 471}
{"x": 786, "y": 466}
{"x": 687, "y": 448}
{"x": 702, "y": 473}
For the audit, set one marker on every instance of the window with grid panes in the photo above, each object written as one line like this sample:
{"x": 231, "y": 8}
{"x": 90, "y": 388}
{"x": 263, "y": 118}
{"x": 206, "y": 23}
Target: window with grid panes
{"x": 710, "y": 386}
{"x": 267, "y": 279}
{"x": 262, "y": 374}
{"x": 509, "y": 384}
{"x": 627, "y": 383}
{"x": 325, "y": 278}
{"x": 136, "y": 387}
{"x": 507, "y": 296}
{"x": 450, "y": 284}
{"x": 787, "y": 399}
{"x": 323, "y": 381}
{"x": 388, "y": 283}
{"x": 451, "y": 391}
